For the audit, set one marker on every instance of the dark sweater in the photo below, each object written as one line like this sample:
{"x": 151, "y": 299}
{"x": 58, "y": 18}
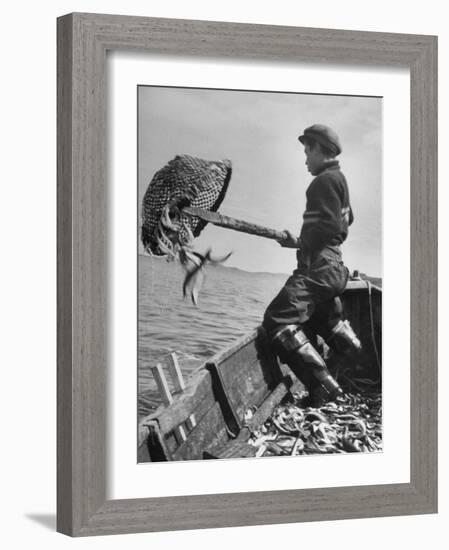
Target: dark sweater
{"x": 328, "y": 211}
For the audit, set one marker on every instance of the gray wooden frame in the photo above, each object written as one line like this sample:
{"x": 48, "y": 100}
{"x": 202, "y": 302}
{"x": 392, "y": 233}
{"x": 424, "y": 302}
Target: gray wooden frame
{"x": 83, "y": 40}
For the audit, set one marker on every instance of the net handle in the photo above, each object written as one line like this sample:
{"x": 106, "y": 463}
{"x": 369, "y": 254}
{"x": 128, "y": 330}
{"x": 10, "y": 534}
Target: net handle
{"x": 235, "y": 224}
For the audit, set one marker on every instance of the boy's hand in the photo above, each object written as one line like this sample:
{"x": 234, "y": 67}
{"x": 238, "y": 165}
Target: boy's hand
{"x": 289, "y": 241}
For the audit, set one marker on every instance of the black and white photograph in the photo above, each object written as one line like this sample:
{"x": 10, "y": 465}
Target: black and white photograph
{"x": 224, "y": 332}
{"x": 259, "y": 274}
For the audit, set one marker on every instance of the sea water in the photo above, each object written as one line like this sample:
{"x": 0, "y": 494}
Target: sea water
{"x": 231, "y": 304}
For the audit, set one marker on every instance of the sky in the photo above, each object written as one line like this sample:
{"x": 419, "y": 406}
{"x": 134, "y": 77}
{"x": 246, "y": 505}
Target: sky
{"x": 258, "y": 132}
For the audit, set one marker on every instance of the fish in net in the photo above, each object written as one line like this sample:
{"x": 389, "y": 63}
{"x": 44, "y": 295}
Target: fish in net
{"x": 166, "y": 230}
{"x": 186, "y": 181}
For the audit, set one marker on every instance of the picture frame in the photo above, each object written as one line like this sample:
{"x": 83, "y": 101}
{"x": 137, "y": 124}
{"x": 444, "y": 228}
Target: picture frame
{"x": 83, "y": 40}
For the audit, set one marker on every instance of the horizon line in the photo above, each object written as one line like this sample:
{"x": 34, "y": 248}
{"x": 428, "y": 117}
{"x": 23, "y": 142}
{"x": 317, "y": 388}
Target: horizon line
{"x": 145, "y": 255}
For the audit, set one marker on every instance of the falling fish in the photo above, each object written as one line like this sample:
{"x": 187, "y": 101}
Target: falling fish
{"x": 194, "y": 264}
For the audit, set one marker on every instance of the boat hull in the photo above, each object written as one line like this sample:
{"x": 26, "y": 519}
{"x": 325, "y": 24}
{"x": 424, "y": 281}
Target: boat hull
{"x": 237, "y": 389}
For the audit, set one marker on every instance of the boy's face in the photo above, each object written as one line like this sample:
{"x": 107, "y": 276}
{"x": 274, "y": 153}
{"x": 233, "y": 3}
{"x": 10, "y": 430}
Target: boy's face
{"x": 314, "y": 158}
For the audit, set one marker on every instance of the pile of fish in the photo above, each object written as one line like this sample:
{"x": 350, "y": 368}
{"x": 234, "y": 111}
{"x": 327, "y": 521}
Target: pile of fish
{"x": 353, "y": 423}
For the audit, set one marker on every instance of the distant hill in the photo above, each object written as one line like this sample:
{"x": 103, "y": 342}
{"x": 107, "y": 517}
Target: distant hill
{"x": 374, "y": 280}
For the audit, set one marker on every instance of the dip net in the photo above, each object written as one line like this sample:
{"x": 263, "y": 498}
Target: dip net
{"x": 186, "y": 181}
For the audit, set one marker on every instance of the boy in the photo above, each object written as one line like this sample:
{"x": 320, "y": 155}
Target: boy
{"x": 308, "y": 303}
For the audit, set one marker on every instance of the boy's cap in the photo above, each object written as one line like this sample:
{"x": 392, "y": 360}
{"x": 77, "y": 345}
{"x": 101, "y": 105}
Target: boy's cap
{"x": 323, "y": 135}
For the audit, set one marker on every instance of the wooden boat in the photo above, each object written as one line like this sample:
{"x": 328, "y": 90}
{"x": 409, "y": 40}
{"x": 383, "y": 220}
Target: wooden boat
{"x": 208, "y": 418}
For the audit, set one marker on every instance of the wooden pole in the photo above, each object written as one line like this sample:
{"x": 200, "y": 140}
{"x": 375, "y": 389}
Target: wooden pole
{"x": 166, "y": 395}
{"x": 162, "y": 385}
{"x": 178, "y": 381}
{"x": 234, "y": 223}
{"x": 175, "y": 372}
